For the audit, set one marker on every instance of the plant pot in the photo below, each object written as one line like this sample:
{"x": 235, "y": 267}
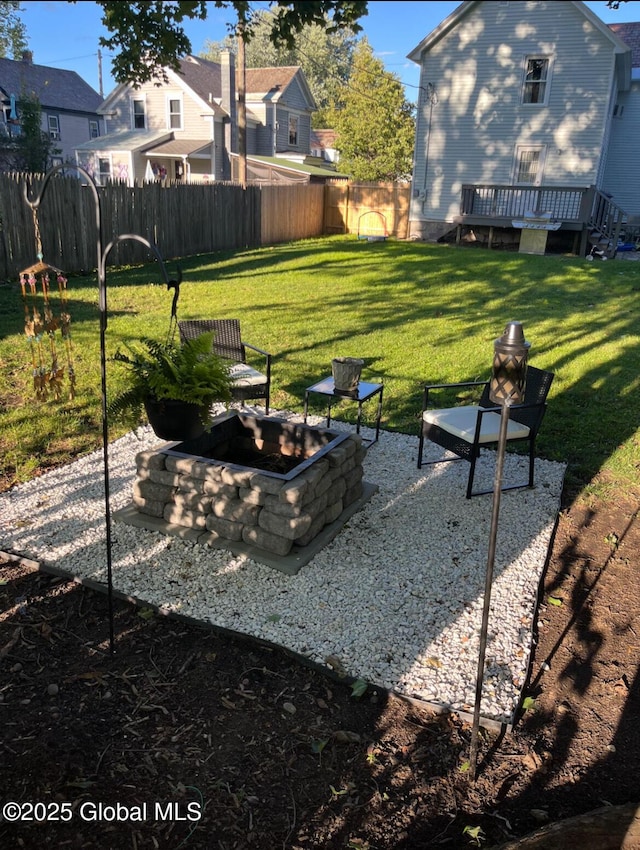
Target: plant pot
{"x": 174, "y": 420}
{"x": 346, "y": 373}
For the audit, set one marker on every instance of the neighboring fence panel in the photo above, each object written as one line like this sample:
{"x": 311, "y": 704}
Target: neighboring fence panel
{"x": 182, "y": 219}
{"x": 292, "y": 212}
{"x": 347, "y": 203}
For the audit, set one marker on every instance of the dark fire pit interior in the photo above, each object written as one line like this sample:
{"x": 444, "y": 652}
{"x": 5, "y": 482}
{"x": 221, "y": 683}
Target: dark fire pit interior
{"x": 267, "y": 483}
{"x": 273, "y": 446}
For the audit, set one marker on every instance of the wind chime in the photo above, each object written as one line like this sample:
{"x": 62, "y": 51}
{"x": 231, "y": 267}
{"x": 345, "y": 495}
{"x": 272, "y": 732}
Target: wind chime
{"x": 41, "y": 324}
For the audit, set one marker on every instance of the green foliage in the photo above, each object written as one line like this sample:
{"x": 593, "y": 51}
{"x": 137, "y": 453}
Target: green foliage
{"x": 168, "y": 371}
{"x": 13, "y": 33}
{"x": 149, "y": 36}
{"x": 374, "y": 122}
{"x": 325, "y": 57}
{"x": 475, "y": 834}
{"x": 415, "y": 312}
{"x": 33, "y": 148}
{"x": 359, "y": 688}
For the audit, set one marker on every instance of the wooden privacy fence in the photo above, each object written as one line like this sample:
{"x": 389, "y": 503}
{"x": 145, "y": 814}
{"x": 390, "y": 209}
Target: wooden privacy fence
{"x": 348, "y": 207}
{"x": 182, "y": 220}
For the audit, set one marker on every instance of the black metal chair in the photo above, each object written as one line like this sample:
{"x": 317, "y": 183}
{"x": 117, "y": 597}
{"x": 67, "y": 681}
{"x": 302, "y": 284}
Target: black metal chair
{"x": 466, "y": 428}
{"x": 248, "y": 382}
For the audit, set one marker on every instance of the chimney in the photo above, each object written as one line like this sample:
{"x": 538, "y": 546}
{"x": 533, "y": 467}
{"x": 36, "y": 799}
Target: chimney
{"x": 228, "y": 101}
{"x": 27, "y": 57}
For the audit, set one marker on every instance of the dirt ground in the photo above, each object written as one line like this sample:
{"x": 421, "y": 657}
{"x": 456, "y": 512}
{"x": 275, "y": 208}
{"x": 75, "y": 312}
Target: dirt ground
{"x": 190, "y": 739}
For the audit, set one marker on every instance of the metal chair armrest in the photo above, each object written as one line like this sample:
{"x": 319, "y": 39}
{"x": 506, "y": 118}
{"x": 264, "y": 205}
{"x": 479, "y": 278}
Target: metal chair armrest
{"x": 255, "y": 348}
{"x": 264, "y": 354}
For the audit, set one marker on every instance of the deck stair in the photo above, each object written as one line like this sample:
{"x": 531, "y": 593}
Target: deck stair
{"x": 605, "y": 225}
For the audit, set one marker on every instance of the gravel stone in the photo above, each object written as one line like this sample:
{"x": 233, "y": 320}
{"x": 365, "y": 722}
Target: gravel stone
{"x": 396, "y": 598}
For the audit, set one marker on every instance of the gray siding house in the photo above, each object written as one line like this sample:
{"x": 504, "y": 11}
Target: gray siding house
{"x": 527, "y": 110}
{"x": 186, "y": 128}
{"x": 69, "y": 106}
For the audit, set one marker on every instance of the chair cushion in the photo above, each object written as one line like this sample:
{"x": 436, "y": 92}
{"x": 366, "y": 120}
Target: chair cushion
{"x": 461, "y": 421}
{"x": 244, "y": 376}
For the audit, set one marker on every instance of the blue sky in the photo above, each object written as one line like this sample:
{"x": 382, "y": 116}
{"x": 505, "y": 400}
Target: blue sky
{"x": 65, "y": 35}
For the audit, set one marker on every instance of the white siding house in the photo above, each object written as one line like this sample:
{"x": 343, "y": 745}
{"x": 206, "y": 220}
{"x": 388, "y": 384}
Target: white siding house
{"x": 186, "y": 129}
{"x": 520, "y": 95}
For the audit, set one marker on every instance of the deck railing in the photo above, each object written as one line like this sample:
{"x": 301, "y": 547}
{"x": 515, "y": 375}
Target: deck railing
{"x": 563, "y": 203}
{"x": 583, "y": 208}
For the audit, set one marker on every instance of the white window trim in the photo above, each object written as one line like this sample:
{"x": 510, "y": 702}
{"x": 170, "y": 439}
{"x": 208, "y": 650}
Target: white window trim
{"x": 520, "y": 149}
{"x": 135, "y": 99}
{"x": 98, "y": 174}
{"x": 547, "y": 82}
{"x": 177, "y": 97}
{"x": 54, "y": 132}
{"x": 293, "y": 116}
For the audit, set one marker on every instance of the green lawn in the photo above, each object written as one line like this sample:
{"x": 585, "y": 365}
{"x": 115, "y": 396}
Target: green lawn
{"x": 414, "y": 312}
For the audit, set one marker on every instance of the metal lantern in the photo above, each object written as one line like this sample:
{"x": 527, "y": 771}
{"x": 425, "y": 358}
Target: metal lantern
{"x": 506, "y": 387}
{"x": 510, "y": 353}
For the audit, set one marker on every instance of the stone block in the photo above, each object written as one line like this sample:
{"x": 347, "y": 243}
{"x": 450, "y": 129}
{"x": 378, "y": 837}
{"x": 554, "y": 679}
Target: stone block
{"x": 353, "y": 494}
{"x": 193, "y": 502}
{"x": 333, "y": 511}
{"x": 235, "y": 510}
{"x": 224, "y": 528}
{"x": 266, "y": 484}
{"x": 251, "y": 496}
{"x": 146, "y": 489}
{"x": 148, "y": 506}
{"x": 163, "y": 476}
{"x": 150, "y": 459}
{"x": 187, "y": 466}
{"x": 237, "y": 477}
{"x": 264, "y": 540}
{"x": 289, "y": 527}
{"x": 352, "y": 477}
{"x": 314, "y": 529}
{"x": 181, "y": 516}
{"x": 293, "y": 491}
{"x": 217, "y": 488}
{"x": 276, "y": 506}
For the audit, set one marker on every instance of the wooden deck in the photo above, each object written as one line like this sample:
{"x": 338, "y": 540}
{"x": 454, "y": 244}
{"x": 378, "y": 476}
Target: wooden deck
{"x": 585, "y": 210}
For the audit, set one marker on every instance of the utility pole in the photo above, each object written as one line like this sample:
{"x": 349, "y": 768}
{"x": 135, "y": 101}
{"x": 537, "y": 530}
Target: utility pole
{"x": 100, "y": 89}
{"x": 241, "y": 86}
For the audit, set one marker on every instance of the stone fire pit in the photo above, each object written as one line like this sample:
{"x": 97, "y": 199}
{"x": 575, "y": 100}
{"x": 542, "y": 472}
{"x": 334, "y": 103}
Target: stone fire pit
{"x": 259, "y": 485}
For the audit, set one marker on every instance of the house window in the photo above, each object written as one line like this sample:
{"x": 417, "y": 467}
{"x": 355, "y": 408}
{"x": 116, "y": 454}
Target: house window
{"x": 175, "y": 114}
{"x": 139, "y": 118}
{"x": 536, "y": 80}
{"x": 618, "y": 111}
{"x": 54, "y": 127}
{"x": 104, "y": 170}
{"x": 94, "y": 130}
{"x": 529, "y": 163}
{"x": 293, "y": 130}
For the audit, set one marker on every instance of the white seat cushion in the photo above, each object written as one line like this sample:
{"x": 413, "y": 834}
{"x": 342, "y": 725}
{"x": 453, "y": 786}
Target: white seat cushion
{"x": 244, "y": 376}
{"x": 461, "y": 421}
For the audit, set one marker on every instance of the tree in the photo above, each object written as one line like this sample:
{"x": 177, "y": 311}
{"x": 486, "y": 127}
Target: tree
{"x": 13, "y": 34}
{"x": 149, "y": 37}
{"x": 374, "y": 122}
{"x": 33, "y": 148}
{"x": 325, "y": 57}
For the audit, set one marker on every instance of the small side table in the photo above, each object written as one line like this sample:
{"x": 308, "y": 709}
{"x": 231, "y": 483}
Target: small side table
{"x": 365, "y": 391}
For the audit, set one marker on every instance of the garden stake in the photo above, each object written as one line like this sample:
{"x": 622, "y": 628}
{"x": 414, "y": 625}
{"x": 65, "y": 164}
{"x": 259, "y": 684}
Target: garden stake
{"x": 102, "y": 255}
{"x": 507, "y": 387}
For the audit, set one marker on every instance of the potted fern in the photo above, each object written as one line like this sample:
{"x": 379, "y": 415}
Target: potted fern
{"x": 174, "y": 384}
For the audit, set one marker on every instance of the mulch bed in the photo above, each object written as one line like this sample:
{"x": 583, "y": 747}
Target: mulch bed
{"x": 253, "y": 749}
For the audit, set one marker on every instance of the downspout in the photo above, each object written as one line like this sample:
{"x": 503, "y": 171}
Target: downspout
{"x": 432, "y": 97}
